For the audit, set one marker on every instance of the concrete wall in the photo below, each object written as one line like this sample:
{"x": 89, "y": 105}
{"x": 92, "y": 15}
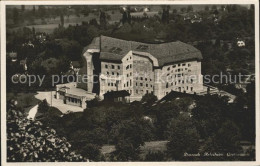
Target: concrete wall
{"x": 127, "y": 73}
{"x": 110, "y": 79}
{"x": 137, "y": 75}
{"x": 143, "y": 81}
{"x": 183, "y": 77}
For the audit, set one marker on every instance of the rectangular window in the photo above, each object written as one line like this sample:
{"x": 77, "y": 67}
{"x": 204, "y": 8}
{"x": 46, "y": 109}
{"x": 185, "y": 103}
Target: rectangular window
{"x": 118, "y": 67}
{"x": 106, "y": 66}
{"x": 113, "y": 67}
{"x": 141, "y": 84}
{"x": 183, "y": 64}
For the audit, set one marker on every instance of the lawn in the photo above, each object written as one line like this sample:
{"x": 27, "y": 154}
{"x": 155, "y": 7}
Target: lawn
{"x": 51, "y": 24}
{"x": 152, "y": 146}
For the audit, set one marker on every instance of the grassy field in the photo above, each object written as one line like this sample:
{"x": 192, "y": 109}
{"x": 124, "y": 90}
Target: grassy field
{"x": 51, "y": 24}
{"x": 152, "y": 146}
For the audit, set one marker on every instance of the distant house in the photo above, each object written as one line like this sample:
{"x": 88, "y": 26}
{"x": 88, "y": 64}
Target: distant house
{"x": 241, "y": 43}
{"x": 29, "y": 44}
{"x": 196, "y": 20}
{"x": 41, "y": 37}
{"x": 23, "y": 64}
{"x": 117, "y": 96}
{"x": 75, "y": 65}
{"x": 146, "y": 9}
{"x": 13, "y": 56}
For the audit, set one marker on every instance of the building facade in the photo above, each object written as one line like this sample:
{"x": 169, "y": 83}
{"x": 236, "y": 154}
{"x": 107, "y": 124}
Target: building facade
{"x": 141, "y": 68}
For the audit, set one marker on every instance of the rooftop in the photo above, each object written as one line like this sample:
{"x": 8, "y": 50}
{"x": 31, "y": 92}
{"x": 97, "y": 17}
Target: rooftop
{"x": 115, "y": 94}
{"x": 116, "y": 49}
{"x": 72, "y": 90}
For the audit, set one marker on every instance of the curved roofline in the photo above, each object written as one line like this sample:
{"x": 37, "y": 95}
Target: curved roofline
{"x": 165, "y": 52}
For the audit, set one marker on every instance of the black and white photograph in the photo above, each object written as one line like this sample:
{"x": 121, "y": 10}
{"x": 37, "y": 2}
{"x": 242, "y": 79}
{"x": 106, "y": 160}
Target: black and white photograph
{"x": 129, "y": 82}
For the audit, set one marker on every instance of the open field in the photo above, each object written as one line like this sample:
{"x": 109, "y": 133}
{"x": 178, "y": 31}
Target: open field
{"x": 51, "y": 24}
{"x": 152, "y": 146}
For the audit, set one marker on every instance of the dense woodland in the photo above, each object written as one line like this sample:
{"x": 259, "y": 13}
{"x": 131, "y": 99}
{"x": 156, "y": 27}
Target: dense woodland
{"x": 204, "y": 124}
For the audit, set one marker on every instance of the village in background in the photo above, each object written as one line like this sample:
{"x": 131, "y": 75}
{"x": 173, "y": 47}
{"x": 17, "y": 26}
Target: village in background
{"x": 135, "y": 118}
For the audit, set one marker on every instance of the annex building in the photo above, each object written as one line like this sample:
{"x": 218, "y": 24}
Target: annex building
{"x": 114, "y": 65}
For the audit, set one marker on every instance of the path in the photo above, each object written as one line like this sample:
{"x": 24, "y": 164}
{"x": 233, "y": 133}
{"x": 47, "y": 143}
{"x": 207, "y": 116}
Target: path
{"x": 32, "y": 112}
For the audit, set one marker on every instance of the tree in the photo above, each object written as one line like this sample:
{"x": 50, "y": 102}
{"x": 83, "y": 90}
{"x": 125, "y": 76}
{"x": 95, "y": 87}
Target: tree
{"x": 155, "y": 156}
{"x": 183, "y": 138}
{"x": 42, "y": 12}
{"x": 62, "y": 20}
{"x": 33, "y": 10}
{"x": 128, "y": 139}
{"x": 15, "y": 16}
{"x": 189, "y": 8}
{"x": 91, "y": 151}
{"x": 226, "y": 140}
{"x": 43, "y": 107}
{"x": 22, "y": 8}
{"x": 206, "y": 8}
{"x": 124, "y": 17}
{"x": 149, "y": 98}
{"x": 129, "y": 17}
{"x": 209, "y": 114}
{"x": 102, "y": 20}
{"x": 31, "y": 141}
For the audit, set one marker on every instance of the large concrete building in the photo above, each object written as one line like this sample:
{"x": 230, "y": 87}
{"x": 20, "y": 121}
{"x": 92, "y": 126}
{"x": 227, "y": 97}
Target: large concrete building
{"x": 113, "y": 64}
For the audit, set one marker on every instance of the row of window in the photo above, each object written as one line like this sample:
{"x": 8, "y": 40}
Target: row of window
{"x": 128, "y": 66}
{"x": 175, "y": 83}
{"x": 174, "y": 66}
{"x": 141, "y": 78}
{"x": 112, "y": 66}
{"x": 129, "y": 58}
{"x": 142, "y": 91}
{"x": 128, "y": 83}
{"x": 112, "y": 84}
{"x": 180, "y": 70}
{"x": 73, "y": 100}
{"x": 142, "y": 84}
{"x": 113, "y": 73}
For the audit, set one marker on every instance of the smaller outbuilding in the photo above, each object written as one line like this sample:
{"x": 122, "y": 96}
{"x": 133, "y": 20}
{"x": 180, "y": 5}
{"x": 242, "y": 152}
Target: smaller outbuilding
{"x": 117, "y": 96}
